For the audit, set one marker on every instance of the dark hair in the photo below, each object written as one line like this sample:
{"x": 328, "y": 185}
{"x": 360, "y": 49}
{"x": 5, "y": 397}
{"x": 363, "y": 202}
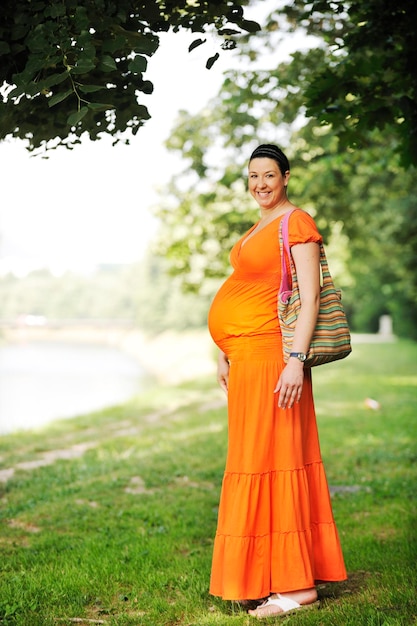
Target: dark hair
{"x": 270, "y": 151}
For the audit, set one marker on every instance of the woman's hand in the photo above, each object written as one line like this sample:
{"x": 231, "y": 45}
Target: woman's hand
{"x": 290, "y": 384}
{"x": 223, "y": 367}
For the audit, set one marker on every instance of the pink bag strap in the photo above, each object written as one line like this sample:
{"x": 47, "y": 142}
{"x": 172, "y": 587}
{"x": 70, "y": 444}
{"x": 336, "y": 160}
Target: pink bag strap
{"x": 286, "y": 286}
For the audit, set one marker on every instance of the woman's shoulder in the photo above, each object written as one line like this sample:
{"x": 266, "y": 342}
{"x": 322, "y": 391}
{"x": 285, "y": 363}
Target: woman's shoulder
{"x": 302, "y": 228}
{"x": 301, "y": 215}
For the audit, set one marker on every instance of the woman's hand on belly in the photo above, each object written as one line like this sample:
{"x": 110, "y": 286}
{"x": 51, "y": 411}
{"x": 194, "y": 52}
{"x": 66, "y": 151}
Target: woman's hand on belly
{"x": 223, "y": 367}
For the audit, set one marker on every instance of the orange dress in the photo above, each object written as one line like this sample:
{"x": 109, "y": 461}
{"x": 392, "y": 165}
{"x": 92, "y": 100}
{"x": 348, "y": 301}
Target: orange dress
{"x": 276, "y": 531}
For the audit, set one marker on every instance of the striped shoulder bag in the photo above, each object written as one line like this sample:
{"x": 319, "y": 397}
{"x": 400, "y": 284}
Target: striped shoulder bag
{"x": 331, "y": 337}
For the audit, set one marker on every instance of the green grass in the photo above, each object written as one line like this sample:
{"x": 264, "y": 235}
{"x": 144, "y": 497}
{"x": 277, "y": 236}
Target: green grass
{"x": 122, "y": 534}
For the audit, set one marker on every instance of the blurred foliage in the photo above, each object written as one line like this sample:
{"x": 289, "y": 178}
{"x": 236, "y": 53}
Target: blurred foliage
{"x": 68, "y": 68}
{"x": 161, "y": 301}
{"x": 142, "y": 294}
{"x": 364, "y": 201}
{"x": 368, "y": 79}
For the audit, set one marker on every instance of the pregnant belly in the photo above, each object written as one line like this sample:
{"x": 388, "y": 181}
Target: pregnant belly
{"x": 243, "y": 309}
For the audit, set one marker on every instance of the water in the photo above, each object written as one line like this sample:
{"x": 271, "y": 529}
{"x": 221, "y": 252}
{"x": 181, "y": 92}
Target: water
{"x": 43, "y": 381}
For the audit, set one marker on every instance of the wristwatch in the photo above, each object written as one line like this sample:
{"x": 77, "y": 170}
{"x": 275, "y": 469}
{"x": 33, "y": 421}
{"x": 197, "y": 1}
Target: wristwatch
{"x": 299, "y": 355}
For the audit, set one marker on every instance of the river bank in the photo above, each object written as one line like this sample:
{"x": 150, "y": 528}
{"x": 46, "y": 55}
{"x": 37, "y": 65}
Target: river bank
{"x": 58, "y": 373}
{"x": 170, "y": 357}
{"x": 173, "y": 357}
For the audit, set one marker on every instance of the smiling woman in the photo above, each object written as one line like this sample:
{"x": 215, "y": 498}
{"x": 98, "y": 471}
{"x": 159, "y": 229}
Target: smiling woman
{"x": 275, "y": 516}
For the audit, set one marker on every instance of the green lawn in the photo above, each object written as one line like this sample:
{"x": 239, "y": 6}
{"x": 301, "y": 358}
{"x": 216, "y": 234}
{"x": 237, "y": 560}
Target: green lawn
{"x": 120, "y": 531}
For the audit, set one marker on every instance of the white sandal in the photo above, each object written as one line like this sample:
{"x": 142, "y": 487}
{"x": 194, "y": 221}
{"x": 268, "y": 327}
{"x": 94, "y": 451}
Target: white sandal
{"x": 287, "y": 606}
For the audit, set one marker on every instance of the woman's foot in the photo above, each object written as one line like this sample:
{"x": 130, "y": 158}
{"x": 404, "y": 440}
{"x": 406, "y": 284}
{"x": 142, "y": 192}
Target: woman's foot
{"x": 281, "y": 604}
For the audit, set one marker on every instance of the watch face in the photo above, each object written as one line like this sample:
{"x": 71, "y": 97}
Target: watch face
{"x": 302, "y": 356}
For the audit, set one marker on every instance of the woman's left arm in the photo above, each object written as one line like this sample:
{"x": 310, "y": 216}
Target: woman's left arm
{"x": 307, "y": 264}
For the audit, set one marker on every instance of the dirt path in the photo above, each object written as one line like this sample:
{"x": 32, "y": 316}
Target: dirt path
{"x": 113, "y": 431}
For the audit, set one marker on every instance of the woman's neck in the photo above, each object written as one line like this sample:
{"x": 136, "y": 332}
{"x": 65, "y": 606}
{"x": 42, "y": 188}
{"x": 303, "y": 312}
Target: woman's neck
{"x": 267, "y": 215}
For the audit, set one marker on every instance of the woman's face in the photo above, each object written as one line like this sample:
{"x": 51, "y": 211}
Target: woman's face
{"x": 266, "y": 182}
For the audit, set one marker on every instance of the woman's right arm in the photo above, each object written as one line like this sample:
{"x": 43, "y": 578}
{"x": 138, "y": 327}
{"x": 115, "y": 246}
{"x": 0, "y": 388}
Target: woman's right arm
{"x": 223, "y": 367}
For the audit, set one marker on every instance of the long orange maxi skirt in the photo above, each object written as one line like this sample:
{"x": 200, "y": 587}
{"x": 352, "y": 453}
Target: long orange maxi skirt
{"x": 276, "y": 531}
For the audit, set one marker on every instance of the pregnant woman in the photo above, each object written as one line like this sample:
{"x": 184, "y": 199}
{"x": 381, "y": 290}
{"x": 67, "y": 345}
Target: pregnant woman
{"x": 276, "y": 535}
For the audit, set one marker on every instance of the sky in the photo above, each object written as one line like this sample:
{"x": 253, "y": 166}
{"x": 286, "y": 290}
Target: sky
{"x": 93, "y": 205}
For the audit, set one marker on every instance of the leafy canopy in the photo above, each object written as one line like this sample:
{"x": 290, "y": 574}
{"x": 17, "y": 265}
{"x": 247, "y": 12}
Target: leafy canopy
{"x": 68, "y": 68}
{"x": 369, "y": 79}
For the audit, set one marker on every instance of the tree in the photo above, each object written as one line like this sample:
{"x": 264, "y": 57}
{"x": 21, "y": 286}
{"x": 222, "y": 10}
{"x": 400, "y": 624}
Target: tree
{"x": 71, "y": 67}
{"x": 369, "y": 79}
{"x": 142, "y": 294}
{"x": 363, "y": 202}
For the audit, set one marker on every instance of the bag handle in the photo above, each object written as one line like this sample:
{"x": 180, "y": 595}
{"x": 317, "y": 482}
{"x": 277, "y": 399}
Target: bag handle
{"x": 286, "y": 286}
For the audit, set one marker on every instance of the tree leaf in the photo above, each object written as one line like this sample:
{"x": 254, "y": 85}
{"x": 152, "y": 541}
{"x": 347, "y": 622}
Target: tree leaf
{"x": 59, "y": 97}
{"x": 99, "y": 106}
{"x": 76, "y": 117}
{"x": 138, "y": 64}
{"x": 17, "y": 91}
{"x": 107, "y": 64}
{"x": 83, "y": 66}
{"x": 229, "y": 32}
{"x": 57, "y": 9}
{"x": 146, "y": 87}
{"x": 250, "y": 26}
{"x": 196, "y": 43}
{"x": 211, "y": 61}
{"x": 140, "y": 42}
{"x": 4, "y": 47}
{"x": 114, "y": 44}
{"x": 90, "y": 88}
{"x": 229, "y": 44}
{"x": 54, "y": 79}
{"x": 142, "y": 112}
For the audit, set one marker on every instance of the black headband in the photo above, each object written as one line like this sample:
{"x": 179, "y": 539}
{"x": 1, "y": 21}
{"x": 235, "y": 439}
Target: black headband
{"x": 270, "y": 151}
